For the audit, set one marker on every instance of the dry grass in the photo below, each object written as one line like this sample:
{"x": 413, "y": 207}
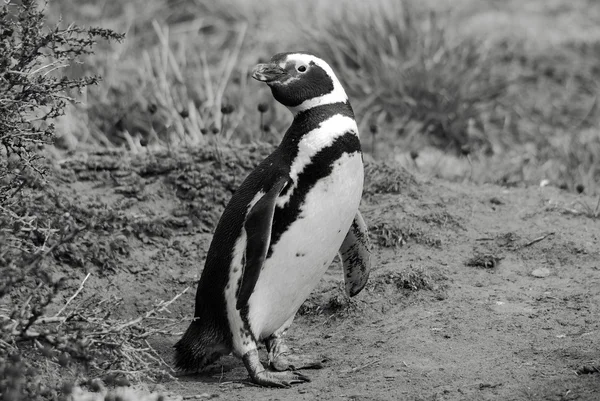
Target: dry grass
{"x": 521, "y": 112}
{"x": 583, "y": 208}
{"x": 408, "y": 71}
{"x": 45, "y": 245}
{"x": 411, "y": 278}
{"x": 523, "y": 109}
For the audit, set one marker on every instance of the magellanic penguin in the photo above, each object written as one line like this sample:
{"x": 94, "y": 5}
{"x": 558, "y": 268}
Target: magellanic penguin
{"x": 282, "y": 228}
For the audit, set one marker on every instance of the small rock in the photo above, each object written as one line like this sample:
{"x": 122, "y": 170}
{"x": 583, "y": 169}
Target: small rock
{"x": 588, "y": 370}
{"x": 96, "y": 385}
{"x": 541, "y": 272}
{"x": 496, "y": 201}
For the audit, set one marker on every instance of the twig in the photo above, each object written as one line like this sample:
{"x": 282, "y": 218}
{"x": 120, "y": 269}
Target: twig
{"x": 534, "y": 241}
{"x": 74, "y": 295}
{"x": 161, "y": 306}
{"x": 50, "y": 319}
{"x": 5, "y": 345}
{"x": 160, "y": 358}
{"x": 197, "y": 396}
{"x": 166, "y": 330}
{"x": 356, "y": 369}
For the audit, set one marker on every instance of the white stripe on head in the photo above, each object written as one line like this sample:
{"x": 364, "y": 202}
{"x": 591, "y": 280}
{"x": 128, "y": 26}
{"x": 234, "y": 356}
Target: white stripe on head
{"x": 337, "y": 95}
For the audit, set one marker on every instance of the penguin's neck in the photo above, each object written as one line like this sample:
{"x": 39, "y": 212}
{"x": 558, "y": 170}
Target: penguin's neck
{"x": 317, "y": 138}
{"x": 308, "y": 122}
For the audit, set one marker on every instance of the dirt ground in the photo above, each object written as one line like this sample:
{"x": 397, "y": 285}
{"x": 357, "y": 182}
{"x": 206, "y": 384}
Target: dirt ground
{"x": 454, "y": 309}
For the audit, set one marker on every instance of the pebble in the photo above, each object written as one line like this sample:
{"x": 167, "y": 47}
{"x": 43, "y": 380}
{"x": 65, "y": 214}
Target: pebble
{"x": 541, "y": 272}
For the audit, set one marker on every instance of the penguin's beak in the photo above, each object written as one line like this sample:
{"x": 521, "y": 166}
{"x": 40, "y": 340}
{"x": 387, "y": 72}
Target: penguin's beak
{"x": 267, "y": 72}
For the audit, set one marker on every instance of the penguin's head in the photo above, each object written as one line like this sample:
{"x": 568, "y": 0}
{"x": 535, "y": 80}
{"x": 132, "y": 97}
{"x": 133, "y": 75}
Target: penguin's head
{"x": 300, "y": 81}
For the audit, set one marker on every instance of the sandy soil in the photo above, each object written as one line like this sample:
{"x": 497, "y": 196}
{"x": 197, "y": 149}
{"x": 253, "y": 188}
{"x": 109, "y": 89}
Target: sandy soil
{"x": 452, "y": 310}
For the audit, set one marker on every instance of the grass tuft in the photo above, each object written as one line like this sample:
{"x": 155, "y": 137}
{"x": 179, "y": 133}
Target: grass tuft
{"x": 330, "y": 303}
{"x": 387, "y": 178}
{"x": 387, "y": 234}
{"x": 412, "y": 278}
{"x": 407, "y": 69}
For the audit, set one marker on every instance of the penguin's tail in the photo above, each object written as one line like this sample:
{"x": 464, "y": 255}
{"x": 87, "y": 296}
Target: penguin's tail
{"x": 200, "y": 346}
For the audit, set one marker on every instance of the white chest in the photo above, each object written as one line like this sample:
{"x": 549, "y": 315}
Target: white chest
{"x": 305, "y": 251}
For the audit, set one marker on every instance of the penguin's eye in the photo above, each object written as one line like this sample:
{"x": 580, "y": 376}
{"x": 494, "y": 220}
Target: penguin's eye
{"x": 301, "y": 68}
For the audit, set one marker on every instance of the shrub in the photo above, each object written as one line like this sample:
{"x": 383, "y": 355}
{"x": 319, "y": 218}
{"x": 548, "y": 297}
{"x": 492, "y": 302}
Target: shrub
{"x": 32, "y": 91}
{"x": 32, "y": 94}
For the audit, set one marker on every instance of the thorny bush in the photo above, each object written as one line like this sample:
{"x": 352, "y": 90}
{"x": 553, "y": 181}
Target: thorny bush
{"x": 33, "y": 93}
{"x": 32, "y": 90}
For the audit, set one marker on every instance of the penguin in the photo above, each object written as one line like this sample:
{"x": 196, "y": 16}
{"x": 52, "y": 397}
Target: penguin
{"x": 282, "y": 229}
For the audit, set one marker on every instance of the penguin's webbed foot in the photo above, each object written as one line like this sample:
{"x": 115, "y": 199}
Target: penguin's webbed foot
{"x": 288, "y": 361}
{"x": 281, "y": 357}
{"x": 263, "y": 377}
{"x": 278, "y": 379}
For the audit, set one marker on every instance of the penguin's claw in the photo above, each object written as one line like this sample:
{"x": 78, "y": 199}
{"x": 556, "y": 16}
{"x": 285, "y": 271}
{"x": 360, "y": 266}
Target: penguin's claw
{"x": 263, "y": 377}
{"x": 282, "y": 358}
{"x": 287, "y": 361}
{"x": 285, "y": 379}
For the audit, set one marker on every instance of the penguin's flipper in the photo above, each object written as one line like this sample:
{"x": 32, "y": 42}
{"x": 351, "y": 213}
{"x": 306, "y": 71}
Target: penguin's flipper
{"x": 355, "y": 253}
{"x": 258, "y": 224}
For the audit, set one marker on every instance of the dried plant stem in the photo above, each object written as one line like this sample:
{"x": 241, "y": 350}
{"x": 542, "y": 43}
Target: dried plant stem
{"x": 74, "y": 295}
{"x": 161, "y": 307}
{"x": 231, "y": 63}
{"x": 538, "y": 239}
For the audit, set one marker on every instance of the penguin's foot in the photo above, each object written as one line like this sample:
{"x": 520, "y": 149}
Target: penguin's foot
{"x": 281, "y": 358}
{"x": 288, "y": 361}
{"x": 278, "y": 379}
{"x": 263, "y": 377}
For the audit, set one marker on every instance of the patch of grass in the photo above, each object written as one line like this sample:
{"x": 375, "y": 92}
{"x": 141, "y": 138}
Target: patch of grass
{"x": 412, "y": 278}
{"x": 572, "y": 160}
{"x": 592, "y": 212}
{"x": 583, "y": 208}
{"x": 484, "y": 261}
{"x": 555, "y": 116}
{"x": 387, "y": 234}
{"x": 394, "y": 233}
{"x": 387, "y": 178}
{"x": 521, "y": 112}
{"x": 442, "y": 219}
{"x": 408, "y": 69}
{"x": 105, "y": 252}
{"x": 331, "y": 304}
{"x": 181, "y": 78}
